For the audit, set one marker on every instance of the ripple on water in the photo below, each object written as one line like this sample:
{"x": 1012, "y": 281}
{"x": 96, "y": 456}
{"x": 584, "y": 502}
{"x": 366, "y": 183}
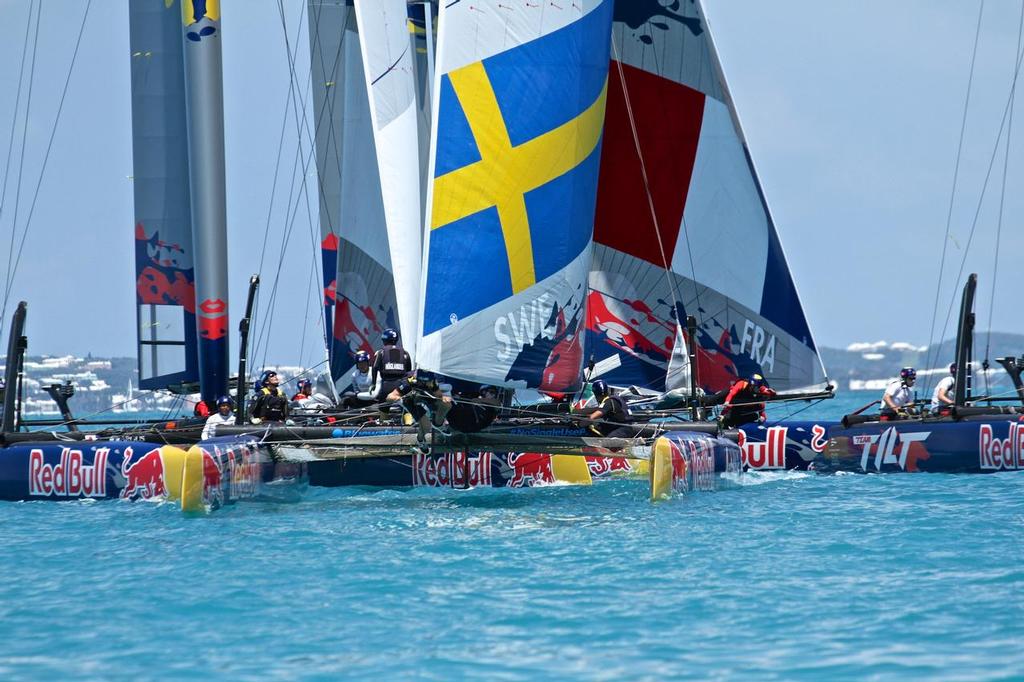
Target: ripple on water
{"x": 789, "y": 576}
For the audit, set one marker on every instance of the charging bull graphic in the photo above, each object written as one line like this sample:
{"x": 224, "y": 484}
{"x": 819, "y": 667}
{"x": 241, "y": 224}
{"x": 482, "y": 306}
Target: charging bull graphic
{"x": 143, "y": 478}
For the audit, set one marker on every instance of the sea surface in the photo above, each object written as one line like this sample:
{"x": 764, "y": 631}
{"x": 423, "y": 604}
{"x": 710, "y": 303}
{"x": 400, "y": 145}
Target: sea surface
{"x": 788, "y": 576}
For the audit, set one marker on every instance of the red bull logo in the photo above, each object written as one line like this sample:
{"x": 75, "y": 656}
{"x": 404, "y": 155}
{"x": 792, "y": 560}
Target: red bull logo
{"x": 71, "y": 477}
{"x": 452, "y": 470}
{"x": 529, "y": 469}
{"x": 770, "y": 454}
{"x": 243, "y": 473}
{"x": 212, "y": 479}
{"x": 143, "y": 478}
{"x": 607, "y": 466}
{"x": 996, "y": 454}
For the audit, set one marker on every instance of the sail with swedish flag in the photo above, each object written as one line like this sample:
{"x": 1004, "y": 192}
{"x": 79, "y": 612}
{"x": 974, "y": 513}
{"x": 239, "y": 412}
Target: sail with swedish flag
{"x": 683, "y": 227}
{"x": 520, "y": 99}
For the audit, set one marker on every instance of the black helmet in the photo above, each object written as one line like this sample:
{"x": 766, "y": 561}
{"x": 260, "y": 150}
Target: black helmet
{"x": 225, "y": 400}
{"x": 492, "y": 390}
{"x": 362, "y": 356}
{"x": 303, "y": 383}
{"x": 758, "y": 381}
{"x": 389, "y": 336}
{"x": 908, "y": 374}
{"x": 952, "y": 369}
{"x": 600, "y": 388}
{"x": 265, "y": 377}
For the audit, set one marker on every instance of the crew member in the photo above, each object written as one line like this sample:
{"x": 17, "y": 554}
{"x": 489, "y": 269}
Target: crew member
{"x": 897, "y": 396}
{"x": 473, "y": 414}
{"x": 611, "y": 418}
{"x": 355, "y": 388}
{"x": 744, "y": 404}
{"x": 270, "y": 403}
{"x": 423, "y": 399}
{"x": 391, "y": 364}
{"x": 302, "y": 394}
{"x": 223, "y": 415}
{"x": 943, "y": 397}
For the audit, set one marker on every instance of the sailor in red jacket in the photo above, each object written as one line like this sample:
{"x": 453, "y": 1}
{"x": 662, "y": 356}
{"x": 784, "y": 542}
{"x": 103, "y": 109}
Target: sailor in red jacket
{"x": 742, "y": 404}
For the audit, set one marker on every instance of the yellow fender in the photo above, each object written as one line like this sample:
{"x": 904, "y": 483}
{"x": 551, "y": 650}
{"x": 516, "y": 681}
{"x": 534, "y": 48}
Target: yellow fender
{"x": 661, "y": 471}
{"x": 571, "y": 469}
{"x": 193, "y": 480}
{"x": 174, "y": 468}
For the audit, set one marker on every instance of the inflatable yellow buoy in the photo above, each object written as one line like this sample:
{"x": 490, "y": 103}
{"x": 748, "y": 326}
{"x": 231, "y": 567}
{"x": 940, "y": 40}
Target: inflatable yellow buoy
{"x": 193, "y": 481}
{"x": 661, "y": 469}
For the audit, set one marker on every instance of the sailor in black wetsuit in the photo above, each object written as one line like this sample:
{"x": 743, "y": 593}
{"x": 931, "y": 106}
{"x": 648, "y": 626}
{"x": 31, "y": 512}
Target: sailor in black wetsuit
{"x": 610, "y": 419}
{"x": 423, "y": 399}
{"x": 270, "y": 404}
{"x": 391, "y": 364}
{"x": 470, "y": 414}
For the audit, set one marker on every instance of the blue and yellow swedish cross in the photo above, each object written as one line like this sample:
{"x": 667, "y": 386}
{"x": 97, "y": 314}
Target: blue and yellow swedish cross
{"x": 516, "y": 167}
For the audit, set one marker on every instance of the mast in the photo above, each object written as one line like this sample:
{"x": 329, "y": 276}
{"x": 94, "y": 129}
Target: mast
{"x": 243, "y": 348}
{"x": 965, "y": 342}
{"x": 204, "y": 100}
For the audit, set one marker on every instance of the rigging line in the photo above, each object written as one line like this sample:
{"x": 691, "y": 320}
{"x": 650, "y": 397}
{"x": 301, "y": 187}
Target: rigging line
{"x": 49, "y": 147}
{"x": 305, "y": 320}
{"x": 303, "y": 186}
{"x": 1002, "y": 198}
{"x": 21, "y": 165}
{"x": 952, "y": 194}
{"x": 17, "y": 103}
{"x": 643, "y": 172}
{"x": 258, "y": 342}
{"x": 316, "y": 275}
{"x": 984, "y": 186}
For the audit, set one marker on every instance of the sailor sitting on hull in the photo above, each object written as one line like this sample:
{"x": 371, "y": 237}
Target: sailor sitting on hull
{"x": 356, "y": 388}
{"x": 391, "y": 364}
{"x": 898, "y": 396}
{"x": 422, "y": 398}
{"x": 744, "y": 404}
{"x": 224, "y": 415}
{"x": 470, "y": 414}
{"x": 942, "y": 397}
{"x": 611, "y": 418}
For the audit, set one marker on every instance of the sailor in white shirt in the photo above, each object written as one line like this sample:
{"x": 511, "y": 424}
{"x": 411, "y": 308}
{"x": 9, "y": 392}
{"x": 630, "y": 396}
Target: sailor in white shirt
{"x": 898, "y": 395}
{"x": 942, "y": 397}
{"x": 355, "y": 387}
{"x": 224, "y": 415}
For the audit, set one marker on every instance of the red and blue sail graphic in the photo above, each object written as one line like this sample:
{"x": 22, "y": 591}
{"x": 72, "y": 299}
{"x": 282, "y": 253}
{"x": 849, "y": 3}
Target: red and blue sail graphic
{"x": 682, "y": 226}
{"x": 518, "y": 148}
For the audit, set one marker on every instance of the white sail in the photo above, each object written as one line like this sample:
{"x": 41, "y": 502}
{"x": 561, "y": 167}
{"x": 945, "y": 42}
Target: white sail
{"x": 390, "y": 81}
{"x": 682, "y": 224}
{"x": 519, "y": 104}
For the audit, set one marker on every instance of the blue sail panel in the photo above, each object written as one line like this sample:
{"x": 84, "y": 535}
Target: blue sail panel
{"x": 164, "y": 269}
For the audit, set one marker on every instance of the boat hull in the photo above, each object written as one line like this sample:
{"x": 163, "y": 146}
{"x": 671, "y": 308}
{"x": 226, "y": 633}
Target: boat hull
{"x": 930, "y": 445}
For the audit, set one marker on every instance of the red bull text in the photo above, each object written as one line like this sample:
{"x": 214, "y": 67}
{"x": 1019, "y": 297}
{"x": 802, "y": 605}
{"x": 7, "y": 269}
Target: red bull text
{"x": 70, "y": 477}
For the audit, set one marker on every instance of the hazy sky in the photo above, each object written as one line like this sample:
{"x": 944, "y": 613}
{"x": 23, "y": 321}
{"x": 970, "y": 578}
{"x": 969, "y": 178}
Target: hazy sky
{"x": 852, "y": 111}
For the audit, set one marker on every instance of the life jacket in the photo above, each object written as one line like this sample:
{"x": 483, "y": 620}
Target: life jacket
{"x": 392, "y": 363}
{"x": 273, "y": 405}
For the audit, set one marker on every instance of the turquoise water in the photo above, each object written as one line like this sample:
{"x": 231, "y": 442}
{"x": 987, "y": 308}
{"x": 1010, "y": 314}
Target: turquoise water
{"x": 788, "y": 576}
